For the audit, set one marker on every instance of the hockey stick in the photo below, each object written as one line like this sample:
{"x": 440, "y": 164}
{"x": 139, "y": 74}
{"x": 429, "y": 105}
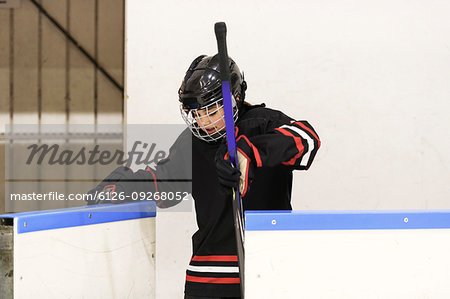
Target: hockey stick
{"x": 221, "y": 32}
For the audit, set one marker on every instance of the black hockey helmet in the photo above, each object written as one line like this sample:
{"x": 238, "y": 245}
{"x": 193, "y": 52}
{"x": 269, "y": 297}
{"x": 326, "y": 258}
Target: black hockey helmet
{"x": 200, "y": 96}
{"x": 202, "y": 86}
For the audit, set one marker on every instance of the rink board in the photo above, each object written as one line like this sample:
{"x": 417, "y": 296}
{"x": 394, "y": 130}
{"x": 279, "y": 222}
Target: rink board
{"x": 347, "y": 254}
{"x": 104, "y": 251}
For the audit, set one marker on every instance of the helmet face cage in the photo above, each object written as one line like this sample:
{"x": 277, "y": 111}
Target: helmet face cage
{"x": 209, "y": 124}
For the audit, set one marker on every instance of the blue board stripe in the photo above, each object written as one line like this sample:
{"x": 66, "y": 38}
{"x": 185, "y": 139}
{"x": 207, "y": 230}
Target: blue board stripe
{"x": 71, "y": 217}
{"x": 346, "y": 220}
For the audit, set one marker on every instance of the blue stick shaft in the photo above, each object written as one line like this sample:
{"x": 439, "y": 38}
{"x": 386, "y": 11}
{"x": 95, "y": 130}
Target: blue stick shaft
{"x": 221, "y": 30}
{"x": 229, "y": 126}
{"x": 229, "y": 122}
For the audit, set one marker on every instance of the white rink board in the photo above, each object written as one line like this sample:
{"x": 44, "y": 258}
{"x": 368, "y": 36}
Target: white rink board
{"x": 107, "y": 260}
{"x": 95, "y": 251}
{"x": 369, "y": 263}
{"x": 347, "y": 264}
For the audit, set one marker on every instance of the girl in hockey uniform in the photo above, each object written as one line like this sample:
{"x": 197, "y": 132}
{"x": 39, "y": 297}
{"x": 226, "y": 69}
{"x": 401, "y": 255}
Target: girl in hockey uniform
{"x": 270, "y": 146}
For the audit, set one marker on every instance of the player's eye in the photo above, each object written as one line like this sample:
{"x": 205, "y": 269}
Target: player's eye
{"x": 212, "y": 111}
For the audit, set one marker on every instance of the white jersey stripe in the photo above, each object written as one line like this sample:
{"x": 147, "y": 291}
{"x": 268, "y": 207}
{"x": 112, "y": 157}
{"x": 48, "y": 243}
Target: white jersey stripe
{"x": 309, "y": 140}
{"x": 213, "y": 269}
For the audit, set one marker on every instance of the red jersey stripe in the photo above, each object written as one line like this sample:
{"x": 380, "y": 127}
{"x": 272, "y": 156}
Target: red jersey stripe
{"x": 215, "y": 258}
{"x": 254, "y": 149}
{"x": 154, "y": 177}
{"x": 309, "y": 130}
{"x": 298, "y": 143}
{"x": 213, "y": 279}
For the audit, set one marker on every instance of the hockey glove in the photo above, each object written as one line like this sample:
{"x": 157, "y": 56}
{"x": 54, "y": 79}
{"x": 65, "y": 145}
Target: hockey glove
{"x": 248, "y": 158}
{"x": 228, "y": 175}
{"x": 118, "y": 187}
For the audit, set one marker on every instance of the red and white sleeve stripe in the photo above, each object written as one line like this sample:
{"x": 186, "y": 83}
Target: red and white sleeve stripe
{"x": 306, "y": 141}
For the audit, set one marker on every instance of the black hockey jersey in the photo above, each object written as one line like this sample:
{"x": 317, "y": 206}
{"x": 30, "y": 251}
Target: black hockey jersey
{"x": 283, "y": 145}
